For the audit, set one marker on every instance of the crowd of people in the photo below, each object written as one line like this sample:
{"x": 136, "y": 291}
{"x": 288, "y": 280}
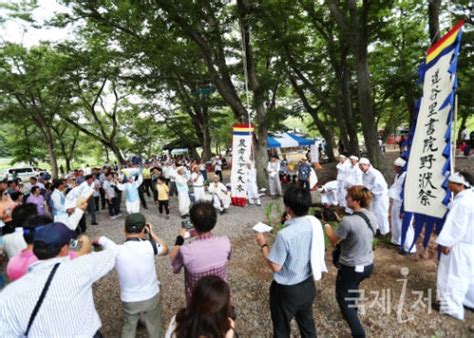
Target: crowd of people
{"x": 52, "y": 264}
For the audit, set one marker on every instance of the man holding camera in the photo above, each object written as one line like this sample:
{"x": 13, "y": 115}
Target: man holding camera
{"x": 54, "y": 299}
{"x": 206, "y": 255}
{"x": 135, "y": 264}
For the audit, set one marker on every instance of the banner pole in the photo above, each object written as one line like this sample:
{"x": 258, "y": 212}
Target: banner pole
{"x": 453, "y": 145}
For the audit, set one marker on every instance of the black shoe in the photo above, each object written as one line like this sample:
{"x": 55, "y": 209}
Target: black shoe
{"x": 145, "y": 208}
{"x": 467, "y": 308}
{"x": 95, "y": 223}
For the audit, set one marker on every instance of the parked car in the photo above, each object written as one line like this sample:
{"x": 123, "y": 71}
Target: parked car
{"x": 23, "y": 173}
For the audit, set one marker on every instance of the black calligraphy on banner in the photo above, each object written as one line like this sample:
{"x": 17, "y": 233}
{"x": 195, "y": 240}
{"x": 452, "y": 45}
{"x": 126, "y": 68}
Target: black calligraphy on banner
{"x": 241, "y": 164}
{"x": 426, "y": 160}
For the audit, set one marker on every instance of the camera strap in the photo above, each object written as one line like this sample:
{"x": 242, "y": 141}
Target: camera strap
{"x": 41, "y": 298}
{"x": 152, "y": 242}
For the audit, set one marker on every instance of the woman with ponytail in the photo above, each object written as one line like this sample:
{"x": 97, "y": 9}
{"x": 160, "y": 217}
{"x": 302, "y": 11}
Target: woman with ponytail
{"x": 355, "y": 262}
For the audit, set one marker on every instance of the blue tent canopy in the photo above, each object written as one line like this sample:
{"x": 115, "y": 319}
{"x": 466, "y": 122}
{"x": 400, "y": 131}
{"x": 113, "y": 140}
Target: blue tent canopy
{"x": 287, "y": 140}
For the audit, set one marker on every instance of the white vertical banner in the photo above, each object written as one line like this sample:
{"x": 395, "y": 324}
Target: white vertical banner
{"x": 423, "y": 192}
{"x": 241, "y": 152}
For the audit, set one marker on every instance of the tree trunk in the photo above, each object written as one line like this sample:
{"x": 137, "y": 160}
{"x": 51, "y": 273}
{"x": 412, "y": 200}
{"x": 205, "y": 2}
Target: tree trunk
{"x": 261, "y": 155}
{"x": 51, "y": 153}
{"x": 339, "y": 117}
{"x": 68, "y": 164}
{"x": 366, "y": 111}
{"x": 349, "y": 120}
{"x": 107, "y": 159}
{"x": 356, "y": 30}
{"x": 463, "y": 123}
{"x": 433, "y": 19}
{"x": 206, "y": 144}
{"x": 118, "y": 155}
{"x": 193, "y": 153}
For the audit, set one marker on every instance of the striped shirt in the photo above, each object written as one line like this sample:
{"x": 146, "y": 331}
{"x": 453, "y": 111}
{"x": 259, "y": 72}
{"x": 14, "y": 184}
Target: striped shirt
{"x": 68, "y": 309}
{"x": 292, "y": 250}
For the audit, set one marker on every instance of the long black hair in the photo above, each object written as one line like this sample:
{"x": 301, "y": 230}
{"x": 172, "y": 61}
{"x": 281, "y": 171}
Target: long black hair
{"x": 208, "y": 312}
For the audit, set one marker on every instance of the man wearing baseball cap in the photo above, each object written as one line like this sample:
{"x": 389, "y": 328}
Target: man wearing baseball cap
{"x": 135, "y": 265}
{"x": 54, "y": 299}
{"x": 456, "y": 239}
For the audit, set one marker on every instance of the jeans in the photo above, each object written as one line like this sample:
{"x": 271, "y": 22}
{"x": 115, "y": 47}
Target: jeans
{"x": 293, "y": 301}
{"x": 347, "y": 287}
{"x": 151, "y": 309}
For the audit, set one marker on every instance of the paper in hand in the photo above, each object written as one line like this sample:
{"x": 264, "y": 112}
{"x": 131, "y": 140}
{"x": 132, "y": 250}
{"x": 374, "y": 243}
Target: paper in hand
{"x": 262, "y": 227}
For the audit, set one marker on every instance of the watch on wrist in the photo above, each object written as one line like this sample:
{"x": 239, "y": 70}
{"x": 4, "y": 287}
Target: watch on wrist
{"x": 263, "y": 246}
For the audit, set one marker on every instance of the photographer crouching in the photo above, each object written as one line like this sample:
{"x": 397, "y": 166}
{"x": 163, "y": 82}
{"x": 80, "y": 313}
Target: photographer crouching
{"x": 135, "y": 265}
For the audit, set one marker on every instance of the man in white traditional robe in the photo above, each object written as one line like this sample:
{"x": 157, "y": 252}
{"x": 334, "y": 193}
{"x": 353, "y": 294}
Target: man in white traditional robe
{"x": 354, "y": 174}
{"x": 394, "y": 193}
{"x": 183, "y": 192}
{"x": 455, "y": 282}
{"x": 373, "y": 180}
{"x": 220, "y": 195}
{"x": 329, "y": 193}
{"x": 342, "y": 170}
{"x": 252, "y": 188}
{"x": 198, "y": 184}
{"x": 273, "y": 170}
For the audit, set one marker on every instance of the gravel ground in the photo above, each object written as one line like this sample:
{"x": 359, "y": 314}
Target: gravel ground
{"x": 249, "y": 280}
{"x": 387, "y": 313}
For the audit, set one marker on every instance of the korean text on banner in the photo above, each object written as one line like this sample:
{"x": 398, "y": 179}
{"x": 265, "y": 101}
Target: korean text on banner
{"x": 423, "y": 189}
{"x": 241, "y": 152}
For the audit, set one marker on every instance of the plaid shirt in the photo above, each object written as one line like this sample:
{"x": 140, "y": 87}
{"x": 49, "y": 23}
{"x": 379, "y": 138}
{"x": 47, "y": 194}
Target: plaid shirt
{"x": 204, "y": 256}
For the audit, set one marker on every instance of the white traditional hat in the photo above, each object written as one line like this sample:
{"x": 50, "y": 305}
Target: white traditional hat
{"x": 342, "y": 155}
{"x": 364, "y": 160}
{"x": 458, "y": 178}
{"x": 353, "y": 157}
{"x": 399, "y": 162}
